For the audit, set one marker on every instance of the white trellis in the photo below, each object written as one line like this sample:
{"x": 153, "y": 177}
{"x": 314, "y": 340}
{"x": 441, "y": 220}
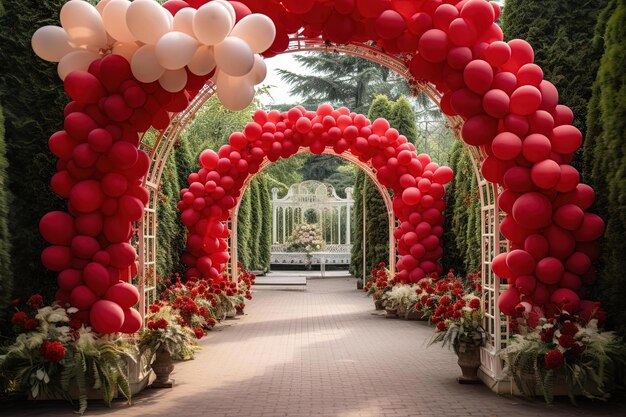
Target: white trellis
{"x": 332, "y": 216}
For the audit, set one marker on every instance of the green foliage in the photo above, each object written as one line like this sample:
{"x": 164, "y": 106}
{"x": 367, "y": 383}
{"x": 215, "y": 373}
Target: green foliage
{"x": 356, "y": 256}
{"x": 265, "y": 238}
{"x": 286, "y": 172}
{"x": 403, "y": 119}
{"x": 461, "y": 238}
{"x": 6, "y": 284}
{"x": 341, "y": 80}
{"x": 33, "y": 100}
{"x": 244, "y": 230}
{"x": 562, "y": 36}
{"x": 376, "y": 226}
{"x": 607, "y": 159}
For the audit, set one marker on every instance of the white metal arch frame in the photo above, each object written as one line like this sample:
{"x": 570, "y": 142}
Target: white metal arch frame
{"x": 492, "y": 242}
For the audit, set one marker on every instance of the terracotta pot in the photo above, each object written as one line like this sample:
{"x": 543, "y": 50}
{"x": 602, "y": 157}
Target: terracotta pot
{"x": 162, "y": 367}
{"x": 469, "y": 361}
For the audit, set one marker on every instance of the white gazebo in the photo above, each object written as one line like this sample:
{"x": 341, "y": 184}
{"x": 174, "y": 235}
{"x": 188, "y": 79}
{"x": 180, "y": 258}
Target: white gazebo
{"x": 318, "y": 203}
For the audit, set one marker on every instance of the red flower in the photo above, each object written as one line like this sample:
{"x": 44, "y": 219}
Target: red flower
{"x": 566, "y": 341}
{"x": 14, "y": 302}
{"x": 203, "y": 311}
{"x": 75, "y": 323}
{"x": 31, "y": 324}
{"x": 578, "y": 348}
{"x": 569, "y": 328}
{"x": 52, "y": 351}
{"x": 154, "y": 308}
{"x": 190, "y": 309}
{"x": 19, "y": 318}
{"x": 546, "y": 335}
{"x": 198, "y": 332}
{"x": 441, "y": 326}
{"x": 35, "y": 301}
{"x": 554, "y": 359}
{"x": 445, "y": 300}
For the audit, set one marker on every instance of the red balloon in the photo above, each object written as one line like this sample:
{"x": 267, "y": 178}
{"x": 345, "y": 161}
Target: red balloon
{"x": 521, "y": 53}
{"x": 550, "y": 96}
{"x": 96, "y": 277}
{"x": 444, "y": 15}
{"x": 57, "y": 227}
{"x": 546, "y": 174}
{"x": 462, "y": 32}
{"x": 89, "y": 224}
{"x": 526, "y": 284}
{"x": 459, "y": 57}
{"x": 591, "y": 228}
{"x": 517, "y": 179}
{"x": 571, "y": 281}
{"x": 498, "y": 53}
{"x": 411, "y": 196}
{"x": 563, "y": 115}
{"x": 508, "y": 300}
{"x": 389, "y": 24}
{"x": 568, "y": 180}
{"x": 537, "y": 246}
{"x": 532, "y": 211}
{"x": 124, "y": 294}
{"x": 433, "y": 45}
{"x": 123, "y": 155}
{"x": 513, "y": 231}
{"x": 130, "y": 208}
{"x": 536, "y": 147}
{"x": 174, "y": 6}
{"x": 579, "y": 263}
{"x": 132, "y": 321}
{"x": 122, "y": 255}
{"x": 506, "y": 145}
{"x": 525, "y": 100}
{"x": 479, "y": 130}
{"x": 339, "y": 28}
{"x": 84, "y": 247}
{"x": 57, "y": 258}
{"x": 478, "y": 75}
{"x": 520, "y": 262}
{"x": 443, "y": 175}
{"x": 479, "y": 12}
{"x": 566, "y": 139}
{"x": 566, "y": 299}
{"x": 530, "y": 74}
{"x": 506, "y": 199}
{"x": 82, "y": 297}
{"x": 106, "y": 317}
{"x": 83, "y": 87}
{"x": 499, "y": 266}
{"x": 114, "y": 70}
{"x": 496, "y": 103}
{"x": 465, "y": 102}
{"x": 549, "y": 270}
{"x": 569, "y": 216}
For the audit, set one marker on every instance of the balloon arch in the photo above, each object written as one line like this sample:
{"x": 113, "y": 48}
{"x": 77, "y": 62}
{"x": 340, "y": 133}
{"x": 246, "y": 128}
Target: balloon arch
{"x": 125, "y": 76}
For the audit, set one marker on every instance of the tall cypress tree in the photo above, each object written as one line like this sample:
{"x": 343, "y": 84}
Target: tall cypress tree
{"x": 562, "y": 37}
{"x": 33, "y": 100}
{"x": 608, "y": 158}
{"x": 244, "y": 230}
{"x": 403, "y": 119}
{"x": 356, "y": 258}
{"x": 452, "y": 257}
{"x": 265, "y": 242}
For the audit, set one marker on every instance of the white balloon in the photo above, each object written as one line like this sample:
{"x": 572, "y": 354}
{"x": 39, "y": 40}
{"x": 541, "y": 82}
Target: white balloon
{"x": 229, "y": 7}
{"x": 51, "y": 43}
{"x": 84, "y": 25}
{"x": 145, "y": 66}
{"x": 257, "y": 30}
{"x": 101, "y": 5}
{"x": 202, "y": 61}
{"x": 234, "y": 56}
{"x": 114, "y": 17}
{"x": 147, "y": 21}
{"x": 173, "y": 81}
{"x": 76, "y": 61}
{"x": 175, "y": 49}
{"x": 259, "y": 70}
{"x": 235, "y": 93}
{"x": 183, "y": 21}
{"x": 127, "y": 50}
{"x": 212, "y": 23}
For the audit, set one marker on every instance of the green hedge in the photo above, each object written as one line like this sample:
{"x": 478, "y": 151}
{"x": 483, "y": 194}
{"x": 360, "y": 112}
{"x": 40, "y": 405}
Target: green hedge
{"x": 6, "y": 284}
{"x": 606, "y": 158}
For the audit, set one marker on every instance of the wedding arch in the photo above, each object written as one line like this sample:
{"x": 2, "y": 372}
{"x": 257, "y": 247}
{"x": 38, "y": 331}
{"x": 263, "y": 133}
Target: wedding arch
{"x": 125, "y": 75}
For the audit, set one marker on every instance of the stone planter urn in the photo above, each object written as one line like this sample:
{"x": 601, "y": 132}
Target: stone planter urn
{"x": 392, "y": 313}
{"x": 378, "y": 302}
{"x": 231, "y": 313}
{"x": 162, "y": 367}
{"x": 240, "y": 311}
{"x": 469, "y": 362}
{"x": 412, "y": 314}
{"x": 401, "y": 311}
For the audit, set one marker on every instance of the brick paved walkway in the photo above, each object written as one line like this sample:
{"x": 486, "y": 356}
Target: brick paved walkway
{"x": 320, "y": 352}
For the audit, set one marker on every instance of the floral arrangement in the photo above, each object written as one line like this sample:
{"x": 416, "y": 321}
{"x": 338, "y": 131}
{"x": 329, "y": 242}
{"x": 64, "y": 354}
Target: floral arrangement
{"x": 55, "y": 354}
{"x": 565, "y": 346}
{"x": 402, "y": 298}
{"x": 164, "y": 331}
{"x": 380, "y": 281}
{"x": 306, "y": 238}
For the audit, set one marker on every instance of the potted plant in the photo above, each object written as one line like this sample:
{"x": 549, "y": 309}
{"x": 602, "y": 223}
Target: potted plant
{"x": 306, "y": 238}
{"x": 459, "y": 325}
{"x": 564, "y": 351}
{"x": 400, "y": 300}
{"x": 380, "y": 282}
{"x": 165, "y": 339}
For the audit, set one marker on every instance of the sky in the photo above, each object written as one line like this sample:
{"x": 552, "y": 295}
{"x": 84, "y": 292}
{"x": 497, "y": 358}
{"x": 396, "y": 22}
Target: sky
{"x": 279, "y": 90}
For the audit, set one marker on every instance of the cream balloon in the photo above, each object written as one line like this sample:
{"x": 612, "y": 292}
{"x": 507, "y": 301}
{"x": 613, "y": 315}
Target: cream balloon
{"x": 234, "y": 56}
{"x": 183, "y": 21}
{"x": 114, "y": 17}
{"x": 147, "y": 21}
{"x": 202, "y": 61}
{"x": 259, "y": 70}
{"x": 235, "y": 93}
{"x": 257, "y": 30}
{"x": 101, "y": 5}
{"x": 175, "y": 49}
{"x": 76, "y": 61}
{"x": 145, "y": 66}
{"x": 212, "y": 23}
{"x": 83, "y": 25}
{"x": 127, "y": 50}
{"x": 173, "y": 81}
{"x": 51, "y": 43}
{"x": 229, "y": 7}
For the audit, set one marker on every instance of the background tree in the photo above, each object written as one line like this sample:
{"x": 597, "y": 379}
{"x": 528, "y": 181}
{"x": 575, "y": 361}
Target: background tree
{"x": 33, "y": 99}
{"x": 403, "y": 119}
{"x": 606, "y": 159}
{"x": 6, "y": 285}
{"x": 562, "y": 37}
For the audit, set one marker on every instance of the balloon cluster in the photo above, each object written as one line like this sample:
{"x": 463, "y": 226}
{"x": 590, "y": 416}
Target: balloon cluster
{"x": 418, "y": 183}
{"x": 168, "y": 43}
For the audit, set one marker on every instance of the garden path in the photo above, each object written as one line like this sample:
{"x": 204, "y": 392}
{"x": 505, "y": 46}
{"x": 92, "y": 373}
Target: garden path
{"x": 320, "y": 352}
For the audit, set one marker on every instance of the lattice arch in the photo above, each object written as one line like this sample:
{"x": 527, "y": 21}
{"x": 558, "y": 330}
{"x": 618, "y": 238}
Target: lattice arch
{"x": 492, "y": 242}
